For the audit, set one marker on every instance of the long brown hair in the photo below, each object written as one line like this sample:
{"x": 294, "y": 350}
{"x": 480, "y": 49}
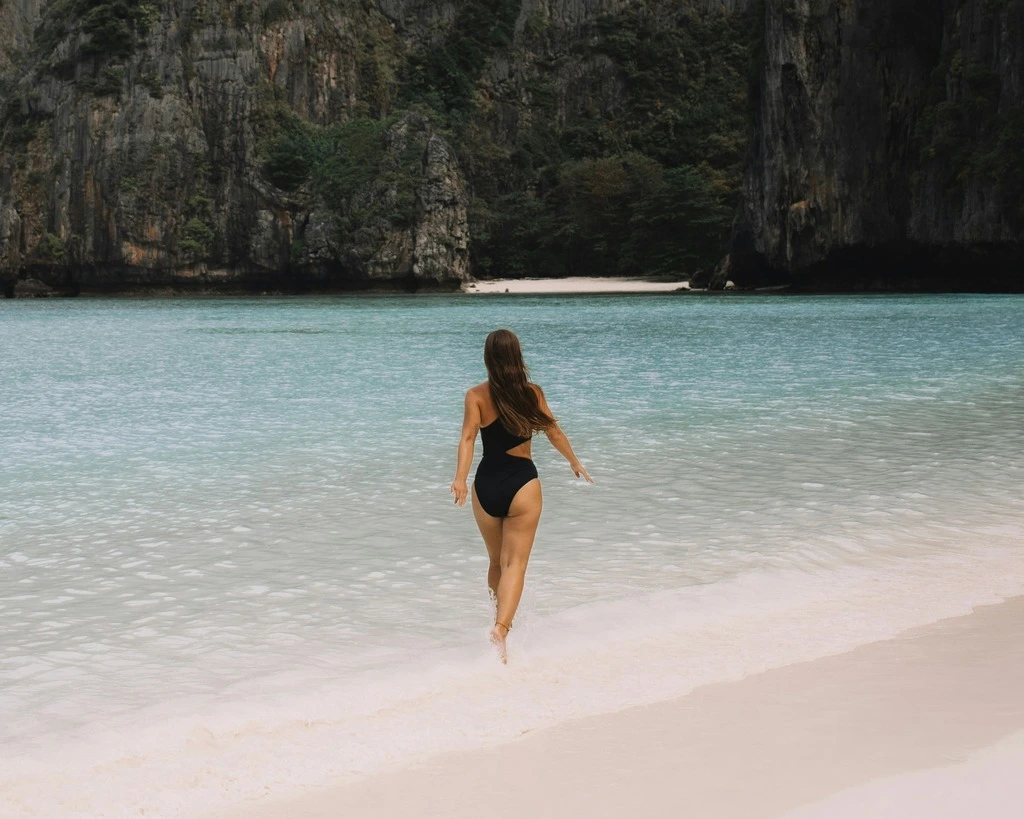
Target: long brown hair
{"x": 509, "y": 380}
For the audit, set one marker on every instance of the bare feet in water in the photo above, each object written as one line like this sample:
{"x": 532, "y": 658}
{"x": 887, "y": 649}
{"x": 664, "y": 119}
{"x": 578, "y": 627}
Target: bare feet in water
{"x": 498, "y": 635}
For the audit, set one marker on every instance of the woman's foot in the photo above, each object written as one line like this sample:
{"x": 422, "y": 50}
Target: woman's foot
{"x": 498, "y": 635}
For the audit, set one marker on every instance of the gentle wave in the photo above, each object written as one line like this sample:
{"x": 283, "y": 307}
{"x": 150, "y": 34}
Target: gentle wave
{"x": 287, "y": 732}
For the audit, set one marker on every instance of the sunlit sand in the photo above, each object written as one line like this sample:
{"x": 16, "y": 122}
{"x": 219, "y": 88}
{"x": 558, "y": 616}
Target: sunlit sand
{"x": 574, "y": 284}
{"x": 817, "y": 740}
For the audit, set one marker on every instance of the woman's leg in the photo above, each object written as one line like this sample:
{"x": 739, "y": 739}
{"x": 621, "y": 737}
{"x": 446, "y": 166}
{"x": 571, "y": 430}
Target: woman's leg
{"x": 490, "y": 530}
{"x": 517, "y": 536}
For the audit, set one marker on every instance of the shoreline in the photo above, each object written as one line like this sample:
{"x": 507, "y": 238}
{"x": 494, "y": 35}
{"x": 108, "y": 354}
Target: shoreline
{"x": 806, "y": 737}
{"x": 578, "y": 285}
{"x": 564, "y": 286}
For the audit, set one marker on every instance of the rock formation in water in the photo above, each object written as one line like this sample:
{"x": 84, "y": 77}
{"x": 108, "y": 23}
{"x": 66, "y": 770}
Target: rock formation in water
{"x": 343, "y": 144}
{"x": 889, "y": 148}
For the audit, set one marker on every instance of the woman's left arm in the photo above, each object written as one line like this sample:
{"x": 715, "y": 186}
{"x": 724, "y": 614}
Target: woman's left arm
{"x": 470, "y": 426}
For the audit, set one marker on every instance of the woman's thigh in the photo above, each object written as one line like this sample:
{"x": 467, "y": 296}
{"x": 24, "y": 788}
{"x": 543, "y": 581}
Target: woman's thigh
{"x": 520, "y": 527}
{"x": 490, "y": 529}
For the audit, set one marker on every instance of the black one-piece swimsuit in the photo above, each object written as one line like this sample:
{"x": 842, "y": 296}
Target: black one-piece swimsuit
{"x": 500, "y": 475}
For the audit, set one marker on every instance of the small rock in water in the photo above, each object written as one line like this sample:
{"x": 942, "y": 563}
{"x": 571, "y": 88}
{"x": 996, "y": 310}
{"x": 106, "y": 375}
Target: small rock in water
{"x": 27, "y": 288}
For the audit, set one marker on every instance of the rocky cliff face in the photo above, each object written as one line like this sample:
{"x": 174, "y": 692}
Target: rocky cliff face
{"x": 304, "y": 144}
{"x": 889, "y": 148}
{"x": 339, "y": 144}
{"x": 136, "y": 142}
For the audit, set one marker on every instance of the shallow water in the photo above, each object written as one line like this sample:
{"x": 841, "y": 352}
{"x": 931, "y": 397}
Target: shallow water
{"x": 227, "y": 538}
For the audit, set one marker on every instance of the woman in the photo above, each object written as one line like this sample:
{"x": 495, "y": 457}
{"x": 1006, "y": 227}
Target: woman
{"x": 507, "y": 409}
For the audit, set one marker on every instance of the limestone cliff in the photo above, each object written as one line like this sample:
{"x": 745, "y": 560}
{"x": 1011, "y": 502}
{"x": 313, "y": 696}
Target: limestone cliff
{"x": 304, "y": 144}
{"x": 344, "y": 144}
{"x": 136, "y": 141}
{"x": 889, "y": 148}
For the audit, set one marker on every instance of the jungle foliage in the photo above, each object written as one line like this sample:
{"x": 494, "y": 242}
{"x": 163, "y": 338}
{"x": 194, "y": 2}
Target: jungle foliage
{"x": 968, "y": 136}
{"x": 338, "y": 164}
{"x": 113, "y": 27}
{"x": 647, "y": 187}
{"x": 444, "y": 77}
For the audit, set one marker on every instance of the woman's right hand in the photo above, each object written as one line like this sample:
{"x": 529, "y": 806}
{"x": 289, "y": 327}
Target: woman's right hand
{"x": 580, "y": 472}
{"x": 459, "y": 492}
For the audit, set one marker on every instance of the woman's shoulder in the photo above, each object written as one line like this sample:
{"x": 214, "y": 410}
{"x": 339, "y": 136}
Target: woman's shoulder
{"x": 479, "y": 395}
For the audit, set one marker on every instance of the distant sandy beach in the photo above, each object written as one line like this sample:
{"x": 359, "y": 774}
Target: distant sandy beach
{"x": 929, "y": 725}
{"x": 574, "y": 284}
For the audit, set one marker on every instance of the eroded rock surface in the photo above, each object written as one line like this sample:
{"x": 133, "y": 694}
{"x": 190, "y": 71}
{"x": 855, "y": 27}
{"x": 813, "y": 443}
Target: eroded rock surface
{"x": 889, "y": 148}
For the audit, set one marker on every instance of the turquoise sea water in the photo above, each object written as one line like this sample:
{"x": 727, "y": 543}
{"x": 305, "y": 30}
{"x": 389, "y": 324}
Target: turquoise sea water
{"x": 227, "y": 548}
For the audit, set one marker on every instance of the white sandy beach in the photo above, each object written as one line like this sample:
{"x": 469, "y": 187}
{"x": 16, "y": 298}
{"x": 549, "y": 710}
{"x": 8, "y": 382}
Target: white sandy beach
{"x": 574, "y": 284}
{"x": 929, "y": 725}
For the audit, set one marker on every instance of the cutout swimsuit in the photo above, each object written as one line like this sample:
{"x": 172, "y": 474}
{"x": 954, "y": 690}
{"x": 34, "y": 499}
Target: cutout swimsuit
{"x": 500, "y": 475}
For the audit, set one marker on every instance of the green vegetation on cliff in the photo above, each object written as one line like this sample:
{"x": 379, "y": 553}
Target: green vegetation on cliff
{"x": 51, "y": 247}
{"x": 339, "y": 164}
{"x": 445, "y": 76}
{"x": 112, "y": 28}
{"x": 646, "y": 186}
{"x": 345, "y": 157}
{"x": 196, "y": 235}
{"x": 970, "y": 130}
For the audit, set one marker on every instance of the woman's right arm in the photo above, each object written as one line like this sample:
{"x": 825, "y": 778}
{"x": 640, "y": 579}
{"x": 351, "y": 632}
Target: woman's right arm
{"x": 559, "y": 440}
{"x": 467, "y": 442}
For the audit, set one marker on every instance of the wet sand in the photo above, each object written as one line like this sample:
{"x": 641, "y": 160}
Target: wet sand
{"x": 883, "y": 725}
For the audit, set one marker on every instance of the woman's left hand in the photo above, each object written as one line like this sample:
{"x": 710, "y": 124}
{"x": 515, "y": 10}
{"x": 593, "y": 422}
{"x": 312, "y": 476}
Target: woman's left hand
{"x": 580, "y": 472}
{"x": 460, "y": 492}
